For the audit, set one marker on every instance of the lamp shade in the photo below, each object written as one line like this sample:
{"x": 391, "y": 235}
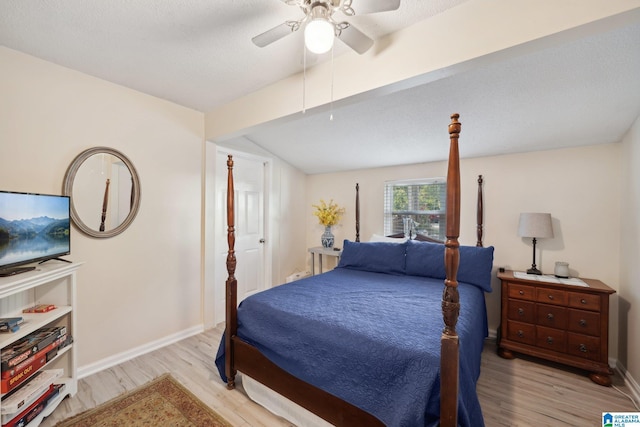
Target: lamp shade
{"x": 536, "y": 225}
{"x": 319, "y": 35}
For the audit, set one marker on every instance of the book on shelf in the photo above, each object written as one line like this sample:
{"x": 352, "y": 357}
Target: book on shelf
{"x": 8, "y": 417}
{"x": 46, "y": 351}
{"x": 10, "y": 324}
{"x": 8, "y": 384}
{"x": 27, "y": 346}
{"x": 65, "y": 340}
{"x": 29, "y": 414}
{"x": 40, "y": 308}
{"x": 24, "y": 396}
{"x": 45, "y": 336}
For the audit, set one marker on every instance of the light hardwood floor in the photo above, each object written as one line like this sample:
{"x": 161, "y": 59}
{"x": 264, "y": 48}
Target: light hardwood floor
{"x": 519, "y": 392}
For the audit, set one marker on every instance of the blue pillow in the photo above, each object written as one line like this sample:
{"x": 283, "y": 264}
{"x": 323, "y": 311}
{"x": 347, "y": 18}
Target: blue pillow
{"x": 378, "y": 257}
{"x": 475, "y": 266}
{"x": 427, "y": 259}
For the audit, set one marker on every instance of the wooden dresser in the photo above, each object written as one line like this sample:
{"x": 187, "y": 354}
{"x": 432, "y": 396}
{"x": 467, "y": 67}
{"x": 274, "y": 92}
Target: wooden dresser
{"x": 563, "y": 323}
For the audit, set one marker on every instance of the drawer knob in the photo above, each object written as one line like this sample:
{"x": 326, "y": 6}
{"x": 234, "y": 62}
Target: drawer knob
{"x": 521, "y": 292}
{"x": 583, "y": 301}
{"x": 550, "y": 340}
{"x": 550, "y": 316}
{"x": 520, "y": 312}
{"x": 520, "y": 333}
{"x": 583, "y": 348}
{"x": 583, "y": 323}
{"x": 550, "y": 297}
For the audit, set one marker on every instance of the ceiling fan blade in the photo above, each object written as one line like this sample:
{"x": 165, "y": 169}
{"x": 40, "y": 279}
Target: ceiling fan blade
{"x": 275, "y": 34}
{"x": 362, "y": 7}
{"x": 354, "y": 38}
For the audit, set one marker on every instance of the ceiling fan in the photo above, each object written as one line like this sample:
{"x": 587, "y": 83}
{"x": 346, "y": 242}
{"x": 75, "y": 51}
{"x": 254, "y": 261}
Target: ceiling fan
{"x": 320, "y": 27}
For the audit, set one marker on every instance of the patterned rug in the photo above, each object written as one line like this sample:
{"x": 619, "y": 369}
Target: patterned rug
{"x": 161, "y": 402}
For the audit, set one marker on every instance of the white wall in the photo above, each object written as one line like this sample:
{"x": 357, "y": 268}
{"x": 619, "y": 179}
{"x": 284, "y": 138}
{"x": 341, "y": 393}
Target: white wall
{"x": 289, "y": 221}
{"x": 629, "y": 292}
{"x": 580, "y": 187}
{"x": 144, "y": 285}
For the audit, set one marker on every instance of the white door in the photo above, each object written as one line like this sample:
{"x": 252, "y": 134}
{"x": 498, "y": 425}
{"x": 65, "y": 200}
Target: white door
{"x": 249, "y": 178}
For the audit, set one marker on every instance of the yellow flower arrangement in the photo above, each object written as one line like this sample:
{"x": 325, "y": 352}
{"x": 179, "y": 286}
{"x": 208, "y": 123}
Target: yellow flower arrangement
{"x": 328, "y": 214}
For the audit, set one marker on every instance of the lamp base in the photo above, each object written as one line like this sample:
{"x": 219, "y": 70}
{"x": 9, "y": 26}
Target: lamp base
{"x": 534, "y": 270}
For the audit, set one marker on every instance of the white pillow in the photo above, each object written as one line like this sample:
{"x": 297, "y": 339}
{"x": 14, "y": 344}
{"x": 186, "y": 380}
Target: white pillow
{"x": 379, "y": 238}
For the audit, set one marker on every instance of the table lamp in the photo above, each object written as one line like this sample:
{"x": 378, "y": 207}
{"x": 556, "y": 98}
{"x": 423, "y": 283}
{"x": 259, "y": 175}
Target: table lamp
{"x": 536, "y": 226}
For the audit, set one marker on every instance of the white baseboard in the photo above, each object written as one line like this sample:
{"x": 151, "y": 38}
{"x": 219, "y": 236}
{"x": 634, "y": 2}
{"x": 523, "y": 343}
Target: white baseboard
{"x": 92, "y": 368}
{"x": 493, "y": 334}
{"x": 630, "y": 382}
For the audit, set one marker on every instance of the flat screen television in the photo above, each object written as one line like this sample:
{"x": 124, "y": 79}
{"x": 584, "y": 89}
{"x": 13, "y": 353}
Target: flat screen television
{"x": 33, "y": 227}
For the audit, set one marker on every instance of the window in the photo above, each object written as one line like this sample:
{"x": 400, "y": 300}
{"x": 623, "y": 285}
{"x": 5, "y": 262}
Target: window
{"x": 416, "y": 206}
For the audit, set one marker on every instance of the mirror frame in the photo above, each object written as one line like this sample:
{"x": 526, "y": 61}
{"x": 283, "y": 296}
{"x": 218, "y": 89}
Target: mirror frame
{"x": 67, "y": 190}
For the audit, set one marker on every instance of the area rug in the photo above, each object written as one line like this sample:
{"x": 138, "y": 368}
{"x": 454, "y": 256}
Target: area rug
{"x": 161, "y": 402}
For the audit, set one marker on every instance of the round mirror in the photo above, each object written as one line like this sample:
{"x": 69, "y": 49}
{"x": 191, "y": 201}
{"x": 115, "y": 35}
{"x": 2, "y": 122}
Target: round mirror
{"x": 105, "y": 191}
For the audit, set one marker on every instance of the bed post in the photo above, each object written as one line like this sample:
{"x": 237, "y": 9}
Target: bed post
{"x": 480, "y": 210}
{"x": 449, "y": 356}
{"x": 357, "y": 212}
{"x": 232, "y": 284}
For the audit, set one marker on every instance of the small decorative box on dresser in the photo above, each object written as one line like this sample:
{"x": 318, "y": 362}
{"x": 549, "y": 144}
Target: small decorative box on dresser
{"x": 563, "y": 323}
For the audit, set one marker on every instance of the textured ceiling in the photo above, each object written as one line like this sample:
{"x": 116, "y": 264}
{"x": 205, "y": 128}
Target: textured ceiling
{"x": 198, "y": 53}
{"x": 582, "y": 92}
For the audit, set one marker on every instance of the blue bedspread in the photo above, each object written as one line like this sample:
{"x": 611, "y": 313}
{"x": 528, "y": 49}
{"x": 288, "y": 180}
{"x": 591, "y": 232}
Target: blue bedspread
{"x": 372, "y": 339}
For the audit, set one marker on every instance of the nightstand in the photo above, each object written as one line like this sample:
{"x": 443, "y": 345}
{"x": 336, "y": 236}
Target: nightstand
{"x": 320, "y": 251}
{"x": 563, "y": 323}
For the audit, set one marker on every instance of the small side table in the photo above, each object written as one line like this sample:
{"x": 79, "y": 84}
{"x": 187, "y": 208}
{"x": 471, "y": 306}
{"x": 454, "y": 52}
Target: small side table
{"x": 320, "y": 250}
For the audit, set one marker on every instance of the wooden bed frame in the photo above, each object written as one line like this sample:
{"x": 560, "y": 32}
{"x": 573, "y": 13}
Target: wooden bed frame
{"x": 243, "y": 357}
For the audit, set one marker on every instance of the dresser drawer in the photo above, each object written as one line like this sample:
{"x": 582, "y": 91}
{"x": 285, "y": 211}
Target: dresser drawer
{"x": 551, "y": 339}
{"x": 522, "y": 292}
{"x": 552, "y": 316}
{"x": 583, "y": 346}
{"x": 523, "y": 311}
{"x": 584, "y": 322}
{"x": 584, "y": 301}
{"x": 551, "y": 296}
{"x": 521, "y": 332}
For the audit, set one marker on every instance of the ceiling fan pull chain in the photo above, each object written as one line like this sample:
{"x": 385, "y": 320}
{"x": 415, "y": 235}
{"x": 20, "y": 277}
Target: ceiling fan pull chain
{"x": 304, "y": 77}
{"x": 332, "y": 73}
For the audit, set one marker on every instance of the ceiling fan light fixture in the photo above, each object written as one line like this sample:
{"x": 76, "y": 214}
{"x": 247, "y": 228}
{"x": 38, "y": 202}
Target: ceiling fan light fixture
{"x": 319, "y": 33}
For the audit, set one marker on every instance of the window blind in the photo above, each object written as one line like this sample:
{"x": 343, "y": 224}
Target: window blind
{"x": 416, "y": 206}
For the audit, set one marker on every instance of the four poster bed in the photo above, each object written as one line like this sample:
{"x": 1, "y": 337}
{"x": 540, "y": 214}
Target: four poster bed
{"x": 363, "y": 344}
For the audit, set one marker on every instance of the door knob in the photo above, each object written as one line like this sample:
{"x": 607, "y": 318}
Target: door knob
{"x": 261, "y": 240}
